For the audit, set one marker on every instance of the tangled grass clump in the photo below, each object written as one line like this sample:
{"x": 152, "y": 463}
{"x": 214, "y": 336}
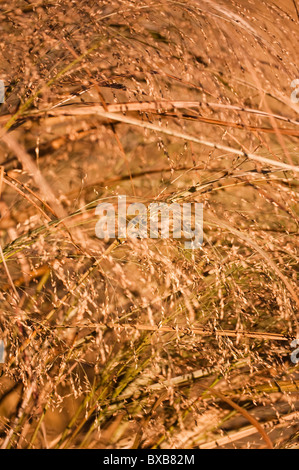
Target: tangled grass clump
{"x": 128, "y": 343}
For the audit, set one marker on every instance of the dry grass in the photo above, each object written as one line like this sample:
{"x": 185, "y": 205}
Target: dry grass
{"x": 143, "y": 343}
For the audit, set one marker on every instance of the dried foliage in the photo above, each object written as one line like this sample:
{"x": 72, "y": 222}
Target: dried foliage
{"x": 143, "y": 343}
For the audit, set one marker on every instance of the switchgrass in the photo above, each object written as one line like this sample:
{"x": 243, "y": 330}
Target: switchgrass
{"x": 128, "y": 343}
